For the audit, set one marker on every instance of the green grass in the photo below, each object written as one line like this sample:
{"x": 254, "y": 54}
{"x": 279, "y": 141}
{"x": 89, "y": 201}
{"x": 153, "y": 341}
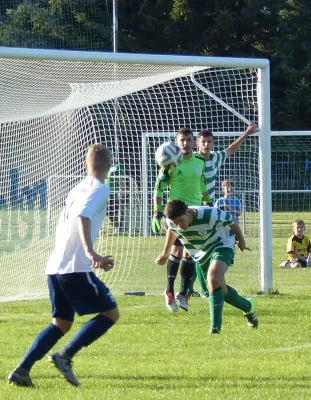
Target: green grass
{"x": 153, "y": 354}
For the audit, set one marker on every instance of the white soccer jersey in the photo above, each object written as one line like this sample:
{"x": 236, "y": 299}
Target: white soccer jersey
{"x": 88, "y": 199}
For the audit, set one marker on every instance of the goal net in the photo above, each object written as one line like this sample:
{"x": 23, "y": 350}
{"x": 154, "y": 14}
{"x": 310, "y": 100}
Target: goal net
{"x": 56, "y": 103}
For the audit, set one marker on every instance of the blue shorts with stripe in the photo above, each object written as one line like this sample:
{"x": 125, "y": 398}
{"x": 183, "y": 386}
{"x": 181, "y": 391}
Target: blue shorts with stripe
{"x": 81, "y": 293}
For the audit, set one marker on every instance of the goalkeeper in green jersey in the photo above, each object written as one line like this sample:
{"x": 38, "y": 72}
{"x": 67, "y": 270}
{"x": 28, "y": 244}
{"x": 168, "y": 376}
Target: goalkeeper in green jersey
{"x": 187, "y": 183}
{"x": 208, "y": 234}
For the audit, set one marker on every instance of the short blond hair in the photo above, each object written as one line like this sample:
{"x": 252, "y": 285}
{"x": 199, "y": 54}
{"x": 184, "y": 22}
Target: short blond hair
{"x": 98, "y": 158}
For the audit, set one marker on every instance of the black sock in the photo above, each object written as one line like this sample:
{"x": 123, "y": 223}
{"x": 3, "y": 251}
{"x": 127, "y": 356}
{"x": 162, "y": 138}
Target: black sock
{"x": 172, "y": 267}
{"x": 186, "y": 273}
{"x": 42, "y": 344}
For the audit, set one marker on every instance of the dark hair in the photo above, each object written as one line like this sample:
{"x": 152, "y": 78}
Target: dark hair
{"x": 175, "y": 208}
{"x": 184, "y": 131}
{"x": 205, "y": 134}
{"x": 227, "y": 182}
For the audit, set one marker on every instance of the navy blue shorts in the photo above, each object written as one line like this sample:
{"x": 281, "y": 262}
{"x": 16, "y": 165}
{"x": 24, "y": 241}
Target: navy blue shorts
{"x": 80, "y": 292}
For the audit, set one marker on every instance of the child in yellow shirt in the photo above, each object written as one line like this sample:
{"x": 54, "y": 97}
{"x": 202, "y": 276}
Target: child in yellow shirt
{"x": 298, "y": 247}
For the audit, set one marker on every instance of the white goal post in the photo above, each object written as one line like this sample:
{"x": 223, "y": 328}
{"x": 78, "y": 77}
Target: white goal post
{"x": 54, "y": 104}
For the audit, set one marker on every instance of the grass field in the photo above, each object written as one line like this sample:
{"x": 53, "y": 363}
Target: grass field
{"x": 154, "y": 354}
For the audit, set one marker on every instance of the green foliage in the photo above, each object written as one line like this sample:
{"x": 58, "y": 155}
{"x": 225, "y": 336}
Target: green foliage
{"x": 276, "y": 29}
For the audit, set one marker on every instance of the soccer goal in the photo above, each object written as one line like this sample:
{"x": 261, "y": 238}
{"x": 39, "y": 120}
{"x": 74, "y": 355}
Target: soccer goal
{"x": 54, "y": 104}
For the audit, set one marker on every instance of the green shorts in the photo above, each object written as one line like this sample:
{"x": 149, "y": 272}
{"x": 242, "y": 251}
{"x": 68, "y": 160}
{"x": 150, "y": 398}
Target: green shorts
{"x": 224, "y": 254}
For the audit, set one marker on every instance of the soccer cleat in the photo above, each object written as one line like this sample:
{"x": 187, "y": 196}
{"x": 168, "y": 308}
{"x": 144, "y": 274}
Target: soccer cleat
{"x": 214, "y": 331}
{"x": 170, "y": 301}
{"x": 64, "y": 367}
{"x": 252, "y": 320}
{"x": 20, "y": 380}
{"x": 194, "y": 294}
{"x": 182, "y": 301}
{"x": 205, "y": 294}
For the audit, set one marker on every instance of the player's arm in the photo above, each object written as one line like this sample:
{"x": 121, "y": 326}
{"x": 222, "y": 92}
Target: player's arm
{"x": 251, "y": 129}
{"x": 158, "y": 207}
{"x": 84, "y": 226}
{"x": 239, "y": 236}
{"x": 291, "y": 248}
{"x": 169, "y": 241}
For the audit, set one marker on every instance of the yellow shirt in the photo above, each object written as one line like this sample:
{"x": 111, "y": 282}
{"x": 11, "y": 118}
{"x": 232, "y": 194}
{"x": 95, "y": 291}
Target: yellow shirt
{"x": 301, "y": 247}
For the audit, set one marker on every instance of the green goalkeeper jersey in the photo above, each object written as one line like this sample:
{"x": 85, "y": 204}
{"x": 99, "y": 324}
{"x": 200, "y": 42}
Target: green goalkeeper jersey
{"x": 186, "y": 182}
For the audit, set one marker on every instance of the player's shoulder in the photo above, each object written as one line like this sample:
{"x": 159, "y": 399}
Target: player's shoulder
{"x": 199, "y": 156}
{"x": 199, "y": 159}
{"x": 96, "y": 187}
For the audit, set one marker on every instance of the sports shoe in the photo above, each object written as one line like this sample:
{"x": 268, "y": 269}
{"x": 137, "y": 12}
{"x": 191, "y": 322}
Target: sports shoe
{"x": 205, "y": 294}
{"x": 182, "y": 301}
{"x": 64, "y": 366}
{"x": 252, "y": 320}
{"x": 194, "y": 294}
{"x": 214, "y": 331}
{"x": 20, "y": 380}
{"x": 170, "y": 301}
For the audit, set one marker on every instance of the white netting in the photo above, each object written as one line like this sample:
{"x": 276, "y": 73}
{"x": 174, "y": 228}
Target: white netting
{"x": 291, "y": 182}
{"x": 42, "y": 158}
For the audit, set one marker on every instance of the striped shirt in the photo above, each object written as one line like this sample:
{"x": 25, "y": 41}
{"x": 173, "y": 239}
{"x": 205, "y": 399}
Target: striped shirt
{"x": 210, "y": 230}
{"x": 215, "y": 161}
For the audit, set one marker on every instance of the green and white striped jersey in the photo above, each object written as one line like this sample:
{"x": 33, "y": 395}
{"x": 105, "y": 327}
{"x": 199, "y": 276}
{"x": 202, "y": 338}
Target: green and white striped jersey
{"x": 215, "y": 161}
{"x": 209, "y": 230}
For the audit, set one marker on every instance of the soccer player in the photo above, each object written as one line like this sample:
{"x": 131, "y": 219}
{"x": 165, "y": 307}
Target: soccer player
{"x": 73, "y": 286}
{"x": 208, "y": 235}
{"x": 298, "y": 247}
{"x": 229, "y": 202}
{"x": 116, "y": 203}
{"x": 186, "y": 182}
{"x": 215, "y": 159}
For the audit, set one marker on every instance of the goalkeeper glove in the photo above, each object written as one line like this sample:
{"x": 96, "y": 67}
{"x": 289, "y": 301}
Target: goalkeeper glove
{"x": 207, "y": 201}
{"x": 156, "y": 220}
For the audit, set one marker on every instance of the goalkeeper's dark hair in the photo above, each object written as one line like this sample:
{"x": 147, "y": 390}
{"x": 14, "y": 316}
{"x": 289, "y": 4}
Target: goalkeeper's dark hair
{"x": 205, "y": 134}
{"x": 175, "y": 209}
{"x": 184, "y": 131}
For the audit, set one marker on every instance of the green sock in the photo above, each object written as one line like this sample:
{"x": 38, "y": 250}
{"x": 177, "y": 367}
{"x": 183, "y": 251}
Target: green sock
{"x": 201, "y": 279}
{"x": 237, "y": 301}
{"x": 216, "y": 305}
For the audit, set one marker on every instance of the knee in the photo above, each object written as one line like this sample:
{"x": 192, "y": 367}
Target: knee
{"x": 114, "y": 314}
{"x": 63, "y": 324}
{"x": 213, "y": 281}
